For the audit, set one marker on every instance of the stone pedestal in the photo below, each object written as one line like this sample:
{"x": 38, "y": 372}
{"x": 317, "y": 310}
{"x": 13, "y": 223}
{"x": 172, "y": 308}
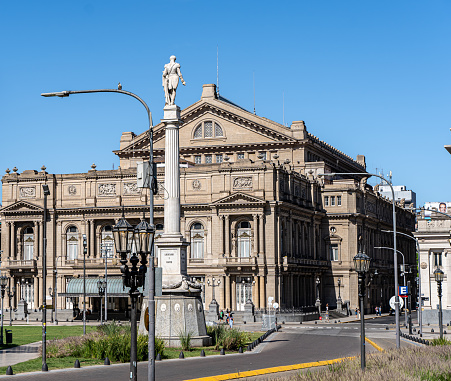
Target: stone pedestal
{"x": 339, "y": 304}
{"x": 248, "y": 315}
{"x": 212, "y": 314}
{"x": 178, "y": 313}
{"x": 22, "y": 310}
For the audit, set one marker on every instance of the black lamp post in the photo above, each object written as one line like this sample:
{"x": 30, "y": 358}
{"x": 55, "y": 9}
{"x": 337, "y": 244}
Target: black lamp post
{"x": 439, "y": 276}
{"x": 133, "y": 277}
{"x": 362, "y": 265}
{"x": 318, "y": 300}
{"x": 3, "y": 283}
{"x": 101, "y": 285}
{"x": 11, "y": 294}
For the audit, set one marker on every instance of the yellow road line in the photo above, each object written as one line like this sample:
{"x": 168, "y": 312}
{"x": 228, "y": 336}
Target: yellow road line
{"x": 374, "y": 344}
{"x": 276, "y": 369}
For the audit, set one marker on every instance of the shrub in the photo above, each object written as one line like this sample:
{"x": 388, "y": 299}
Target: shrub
{"x": 216, "y": 333}
{"x": 438, "y": 341}
{"x": 185, "y": 340}
{"x": 233, "y": 339}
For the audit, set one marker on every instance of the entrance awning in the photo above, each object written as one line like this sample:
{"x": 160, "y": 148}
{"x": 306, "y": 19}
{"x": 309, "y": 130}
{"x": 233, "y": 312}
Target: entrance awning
{"x": 115, "y": 288}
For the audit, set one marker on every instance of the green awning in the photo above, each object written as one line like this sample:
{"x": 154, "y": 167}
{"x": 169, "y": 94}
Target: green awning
{"x": 115, "y": 287}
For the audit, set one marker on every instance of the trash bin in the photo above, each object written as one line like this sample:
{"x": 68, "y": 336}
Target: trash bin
{"x": 9, "y": 336}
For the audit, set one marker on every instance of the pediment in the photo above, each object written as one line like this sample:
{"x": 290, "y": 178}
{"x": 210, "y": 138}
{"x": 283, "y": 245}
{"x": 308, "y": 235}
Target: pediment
{"x": 22, "y": 207}
{"x": 239, "y": 198}
{"x": 240, "y": 127}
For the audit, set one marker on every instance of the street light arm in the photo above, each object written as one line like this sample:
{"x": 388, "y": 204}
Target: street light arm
{"x": 66, "y": 93}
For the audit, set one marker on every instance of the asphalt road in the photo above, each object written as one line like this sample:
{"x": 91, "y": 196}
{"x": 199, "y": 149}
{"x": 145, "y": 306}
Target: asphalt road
{"x": 293, "y": 345}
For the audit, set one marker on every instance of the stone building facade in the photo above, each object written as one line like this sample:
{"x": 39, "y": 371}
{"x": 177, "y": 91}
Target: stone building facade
{"x": 257, "y": 216}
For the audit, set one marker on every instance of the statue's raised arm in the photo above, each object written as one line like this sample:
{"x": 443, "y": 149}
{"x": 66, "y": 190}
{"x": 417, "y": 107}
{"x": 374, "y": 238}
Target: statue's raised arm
{"x": 171, "y": 75}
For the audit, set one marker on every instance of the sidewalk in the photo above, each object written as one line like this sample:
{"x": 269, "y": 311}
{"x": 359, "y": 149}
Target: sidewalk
{"x": 15, "y": 355}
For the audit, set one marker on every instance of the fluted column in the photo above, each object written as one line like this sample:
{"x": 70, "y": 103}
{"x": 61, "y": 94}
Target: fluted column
{"x": 256, "y": 292}
{"x": 233, "y": 306}
{"x": 227, "y": 292}
{"x": 92, "y": 239}
{"x": 172, "y": 171}
{"x": 262, "y": 291}
{"x": 36, "y": 246}
{"x": 255, "y": 235}
{"x": 221, "y": 236}
{"x": 227, "y": 235}
{"x": 261, "y": 235}
{"x": 8, "y": 239}
{"x": 12, "y": 241}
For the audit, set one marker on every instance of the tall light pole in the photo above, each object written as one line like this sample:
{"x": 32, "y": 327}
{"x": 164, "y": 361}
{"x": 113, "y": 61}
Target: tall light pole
{"x": 45, "y": 368}
{"x": 11, "y": 294}
{"x": 105, "y": 249}
{"x": 153, "y": 190}
{"x": 362, "y": 265}
{"x": 3, "y": 283}
{"x": 395, "y": 257}
{"x": 439, "y": 276}
{"x": 56, "y": 289}
{"x": 101, "y": 285}
{"x": 85, "y": 250}
{"x": 53, "y": 303}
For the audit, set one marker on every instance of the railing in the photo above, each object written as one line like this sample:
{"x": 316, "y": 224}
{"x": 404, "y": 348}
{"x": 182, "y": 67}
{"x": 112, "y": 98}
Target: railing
{"x": 304, "y": 261}
{"x": 240, "y": 260}
{"x": 22, "y": 263}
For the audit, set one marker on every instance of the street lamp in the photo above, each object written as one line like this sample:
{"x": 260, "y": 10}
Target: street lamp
{"x": 395, "y": 263}
{"x": 153, "y": 190}
{"x": 45, "y": 368}
{"x": 142, "y": 236}
{"x": 439, "y": 276}
{"x": 3, "y": 283}
{"x": 362, "y": 265}
{"x": 318, "y": 301}
{"x": 214, "y": 283}
{"x": 53, "y": 302}
{"x": 101, "y": 285}
{"x": 11, "y": 294}
{"x": 85, "y": 251}
{"x": 339, "y": 301}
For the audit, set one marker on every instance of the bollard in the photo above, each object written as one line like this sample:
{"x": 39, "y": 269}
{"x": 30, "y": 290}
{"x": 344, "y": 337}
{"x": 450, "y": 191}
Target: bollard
{"x": 222, "y": 351}
{"x": 77, "y": 364}
{"x": 202, "y": 353}
{"x": 249, "y": 348}
{"x": 335, "y": 322}
{"x": 300, "y": 322}
{"x": 240, "y": 350}
{"x": 107, "y": 361}
{"x": 158, "y": 358}
{"x": 432, "y": 330}
{"x": 9, "y": 371}
{"x": 181, "y": 355}
{"x": 444, "y": 332}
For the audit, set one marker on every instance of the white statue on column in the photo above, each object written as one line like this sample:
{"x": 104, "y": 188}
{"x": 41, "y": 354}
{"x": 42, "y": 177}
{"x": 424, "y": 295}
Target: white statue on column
{"x": 171, "y": 74}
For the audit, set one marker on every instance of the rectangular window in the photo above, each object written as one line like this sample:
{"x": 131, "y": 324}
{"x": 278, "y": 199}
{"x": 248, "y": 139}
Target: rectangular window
{"x": 334, "y": 252}
{"x": 338, "y": 200}
{"x": 240, "y": 156}
{"x": 332, "y": 200}
{"x": 197, "y": 159}
{"x": 326, "y": 200}
{"x": 437, "y": 259}
{"x": 218, "y": 158}
{"x": 208, "y": 159}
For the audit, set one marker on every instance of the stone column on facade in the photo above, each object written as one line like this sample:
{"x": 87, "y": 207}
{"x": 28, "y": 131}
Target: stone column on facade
{"x": 256, "y": 292}
{"x": 36, "y": 298}
{"x": 261, "y": 235}
{"x": 233, "y": 306}
{"x": 41, "y": 235}
{"x": 262, "y": 291}
{"x": 12, "y": 241}
{"x": 255, "y": 235}
{"x": 227, "y": 303}
{"x": 290, "y": 236}
{"x": 221, "y": 236}
{"x": 227, "y": 235}
{"x": 92, "y": 239}
{"x": 35, "y": 239}
{"x": 8, "y": 240}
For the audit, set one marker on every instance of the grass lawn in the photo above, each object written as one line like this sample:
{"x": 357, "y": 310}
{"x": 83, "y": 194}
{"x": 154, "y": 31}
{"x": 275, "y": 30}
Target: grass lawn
{"x": 35, "y": 334}
{"x": 30, "y": 334}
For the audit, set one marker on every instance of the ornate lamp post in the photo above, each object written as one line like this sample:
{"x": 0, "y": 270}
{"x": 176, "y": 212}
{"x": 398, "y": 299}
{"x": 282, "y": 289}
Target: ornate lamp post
{"x": 362, "y": 264}
{"x": 439, "y": 276}
{"x": 11, "y": 294}
{"x": 318, "y": 301}
{"x": 53, "y": 302}
{"x": 101, "y": 285}
{"x": 124, "y": 235}
{"x": 339, "y": 301}
{"x": 3, "y": 283}
{"x": 213, "y": 283}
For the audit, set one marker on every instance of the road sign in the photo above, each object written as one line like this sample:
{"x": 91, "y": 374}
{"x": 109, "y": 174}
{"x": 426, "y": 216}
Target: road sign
{"x": 403, "y": 291}
{"x": 392, "y": 302}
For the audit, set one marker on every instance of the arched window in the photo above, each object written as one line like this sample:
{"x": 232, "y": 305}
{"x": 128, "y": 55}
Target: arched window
{"x": 28, "y": 244}
{"x": 72, "y": 242}
{"x": 197, "y": 241}
{"x": 244, "y": 239}
{"x": 208, "y": 130}
{"x": 107, "y": 242}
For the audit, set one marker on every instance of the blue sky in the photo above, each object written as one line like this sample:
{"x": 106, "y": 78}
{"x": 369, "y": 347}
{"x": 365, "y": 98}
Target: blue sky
{"x": 368, "y": 77}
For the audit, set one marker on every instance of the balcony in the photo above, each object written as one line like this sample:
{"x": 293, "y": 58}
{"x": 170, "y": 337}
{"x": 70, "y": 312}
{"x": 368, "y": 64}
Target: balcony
{"x": 26, "y": 264}
{"x": 240, "y": 261}
{"x": 305, "y": 262}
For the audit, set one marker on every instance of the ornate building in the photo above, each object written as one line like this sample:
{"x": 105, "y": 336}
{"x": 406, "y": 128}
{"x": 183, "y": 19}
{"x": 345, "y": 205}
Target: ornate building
{"x": 254, "y": 211}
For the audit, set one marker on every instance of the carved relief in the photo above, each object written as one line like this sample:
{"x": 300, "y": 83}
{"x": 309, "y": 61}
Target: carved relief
{"x": 26, "y": 192}
{"x": 131, "y": 188}
{"x": 197, "y": 185}
{"x": 107, "y": 190}
{"x": 242, "y": 182}
{"x": 72, "y": 190}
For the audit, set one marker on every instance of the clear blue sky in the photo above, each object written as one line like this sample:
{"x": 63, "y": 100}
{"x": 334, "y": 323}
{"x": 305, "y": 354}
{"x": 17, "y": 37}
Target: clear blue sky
{"x": 368, "y": 77}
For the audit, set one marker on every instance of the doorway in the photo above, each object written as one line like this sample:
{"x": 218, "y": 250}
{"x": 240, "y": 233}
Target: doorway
{"x": 243, "y": 292}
